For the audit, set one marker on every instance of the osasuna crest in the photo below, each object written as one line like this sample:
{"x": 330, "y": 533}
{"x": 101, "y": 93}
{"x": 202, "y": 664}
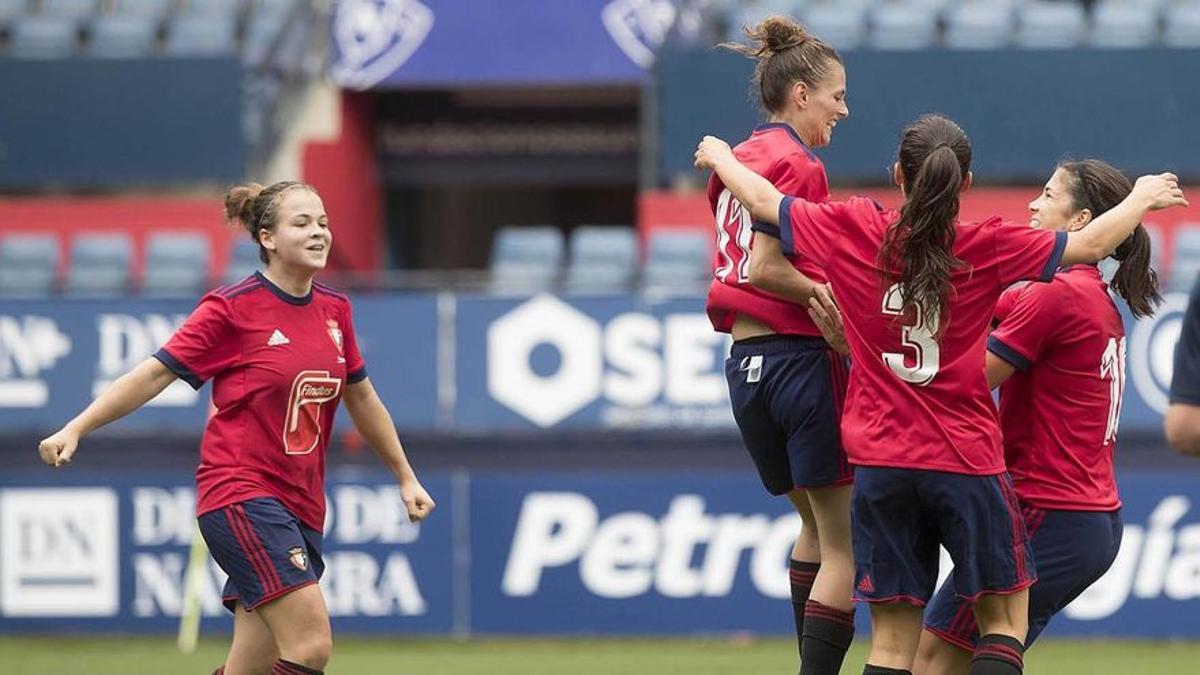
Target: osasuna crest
{"x": 375, "y": 37}
{"x": 335, "y": 333}
{"x": 639, "y": 26}
{"x": 296, "y": 555}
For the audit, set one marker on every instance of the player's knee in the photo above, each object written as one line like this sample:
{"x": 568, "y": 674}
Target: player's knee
{"x": 314, "y": 650}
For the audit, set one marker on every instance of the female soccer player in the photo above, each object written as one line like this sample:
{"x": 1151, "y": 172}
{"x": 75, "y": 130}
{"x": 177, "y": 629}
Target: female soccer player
{"x": 917, "y": 289}
{"x": 282, "y": 353}
{"x": 785, "y": 384}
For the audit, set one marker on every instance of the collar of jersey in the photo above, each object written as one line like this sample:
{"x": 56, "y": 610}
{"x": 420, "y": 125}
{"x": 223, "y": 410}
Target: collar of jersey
{"x": 767, "y": 126}
{"x": 284, "y": 295}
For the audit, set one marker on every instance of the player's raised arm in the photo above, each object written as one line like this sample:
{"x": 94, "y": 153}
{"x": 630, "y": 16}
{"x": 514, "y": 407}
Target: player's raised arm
{"x": 125, "y": 395}
{"x": 752, "y": 190}
{"x": 1096, "y": 241}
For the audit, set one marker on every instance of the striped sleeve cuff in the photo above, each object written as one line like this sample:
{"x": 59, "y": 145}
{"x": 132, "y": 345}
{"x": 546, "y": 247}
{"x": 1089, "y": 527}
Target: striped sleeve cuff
{"x": 183, "y": 372}
{"x": 786, "y": 241}
{"x": 357, "y": 376}
{"x": 1014, "y": 358}
{"x": 1056, "y": 254}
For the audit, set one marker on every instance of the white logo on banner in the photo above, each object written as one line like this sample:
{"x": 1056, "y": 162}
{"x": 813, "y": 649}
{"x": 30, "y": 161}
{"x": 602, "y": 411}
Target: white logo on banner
{"x": 375, "y": 37}
{"x": 58, "y": 552}
{"x": 1152, "y": 348}
{"x": 126, "y": 341}
{"x": 639, "y": 26}
{"x": 633, "y": 553}
{"x": 648, "y": 358}
{"x": 28, "y": 345}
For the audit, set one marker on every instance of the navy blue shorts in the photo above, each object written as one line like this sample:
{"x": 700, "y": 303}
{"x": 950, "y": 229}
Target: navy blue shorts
{"x": 1072, "y": 548}
{"x": 266, "y": 551}
{"x": 900, "y": 516}
{"x": 787, "y": 393}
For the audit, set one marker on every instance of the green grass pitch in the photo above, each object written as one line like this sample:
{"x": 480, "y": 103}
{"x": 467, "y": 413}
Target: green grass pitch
{"x": 120, "y": 656}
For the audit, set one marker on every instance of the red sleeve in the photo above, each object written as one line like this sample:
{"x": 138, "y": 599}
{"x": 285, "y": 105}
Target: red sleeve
{"x": 1007, "y": 301}
{"x": 356, "y": 367}
{"x": 814, "y": 230}
{"x": 1034, "y": 317}
{"x": 1023, "y": 252}
{"x": 206, "y": 343}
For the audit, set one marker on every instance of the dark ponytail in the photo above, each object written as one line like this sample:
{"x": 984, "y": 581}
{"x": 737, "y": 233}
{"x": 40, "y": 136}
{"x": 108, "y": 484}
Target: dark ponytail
{"x": 1097, "y": 186}
{"x": 917, "y": 250}
{"x": 786, "y": 54}
{"x": 255, "y": 207}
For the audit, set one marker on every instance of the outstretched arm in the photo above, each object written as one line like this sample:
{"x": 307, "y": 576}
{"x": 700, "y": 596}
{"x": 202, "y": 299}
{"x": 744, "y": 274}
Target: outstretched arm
{"x": 1100, "y": 238}
{"x": 373, "y": 421}
{"x": 126, "y": 394}
{"x": 752, "y": 190}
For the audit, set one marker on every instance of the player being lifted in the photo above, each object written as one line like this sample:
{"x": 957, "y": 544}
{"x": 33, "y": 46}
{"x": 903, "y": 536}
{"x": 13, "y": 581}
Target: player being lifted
{"x": 281, "y": 351}
{"x": 917, "y": 289}
{"x": 785, "y": 383}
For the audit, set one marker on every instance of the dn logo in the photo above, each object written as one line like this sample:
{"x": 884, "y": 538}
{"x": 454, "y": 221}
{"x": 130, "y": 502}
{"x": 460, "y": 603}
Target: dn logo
{"x": 310, "y": 391}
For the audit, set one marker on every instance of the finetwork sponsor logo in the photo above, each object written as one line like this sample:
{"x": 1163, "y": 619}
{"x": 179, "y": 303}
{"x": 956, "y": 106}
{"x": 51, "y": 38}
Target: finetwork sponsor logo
{"x": 649, "y": 371}
{"x": 1152, "y": 346}
{"x": 58, "y": 552}
{"x": 375, "y": 37}
{"x": 29, "y": 345}
{"x": 126, "y": 340}
{"x": 639, "y": 26}
{"x": 686, "y": 553}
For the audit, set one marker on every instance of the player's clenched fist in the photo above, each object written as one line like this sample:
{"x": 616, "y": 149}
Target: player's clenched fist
{"x": 1161, "y": 190}
{"x": 57, "y": 450}
{"x": 710, "y": 151}
{"x": 417, "y": 501}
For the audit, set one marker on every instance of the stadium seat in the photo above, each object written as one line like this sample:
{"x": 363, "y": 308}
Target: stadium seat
{"x": 750, "y": 13}
{"x": 1124, "y": 24}
{"x": 176, "y": 264}
{"x": 214, "y": 8}
{"x": 201, "y": 35}
{"x": 1182, "y": 26}
{"x": 243, "y": 261}
{"x": 841, "y": 25}
{"x": 526, "y": 258}
{"x": 11, "y": 9}
{"x": 74, "y": 9}
{"x": 1050, "y": 25}
{"x": 1186, "y": 264}
{"x": 602, "y": 259}
{"x": 43, "y": 37}
{"x": 979, "y": 25}
{"x": 903, "y": 25}
{"x": 266, "y": 20}
{"x": 123, "y": 37}
{"x": 28, "y": 264}
{"x": 150, "y": 8}
{"x": 100, "y": 265}
{"x": 678, "y": 260}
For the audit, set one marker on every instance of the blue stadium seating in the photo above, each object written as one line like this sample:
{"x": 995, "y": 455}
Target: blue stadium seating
{"x": 903, "y": 25}
{"x": 214, "y": 8}
{"x": 1186, "y": 264}
{"x": 266, "y": 20}
{"x": 151, "y": 8}
{"x": 243, "y": 261}
{"x": 678, "y": 260}
{"x": 28, "y": 264}
{"x": 602, "y": 259}
{"x": 43, "y": 37}
{"x": 176, "y": 264}
{"x": 842, "y": 25}
{"x": 100, "y": 265}
{"x": 526, "y": 258}
{"x": 10, "y": 9}
{"x": 1124, "y": 24}
{"x": 201, "y": 35}
{"x": 1182, "y": 25}
{"x": 76, "y": 9}
{"x": 123, "y": 36}
{"x": 979, "y": 25}
{"x": 1050, "y": 25}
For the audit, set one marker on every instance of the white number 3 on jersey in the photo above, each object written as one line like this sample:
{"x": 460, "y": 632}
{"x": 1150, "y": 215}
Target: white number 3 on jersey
{"x": 918, "y": 338}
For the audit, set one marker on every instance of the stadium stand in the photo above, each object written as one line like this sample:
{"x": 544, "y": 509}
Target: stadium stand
{"x": 123, "y": 36}
{"x": 678, "y": 259}
{"x": 903, "y": 25}
{"x": 202, "y": 35}
{"x": 841, "y": 25}
{"x": 100, "y": 265}
{"x": 28, "y": 264}
{"x": 243, "y": 261}
{"x": 1121, "y": 24}
{"x": 151, "y": 8}
{"x": 1050, "y": 25}
{"x": 526, "y": 258}
{"x": 79, "y": 9}
{"x": 176, "y": 264}
{"x": 979, "y": 25}
{"x": 43, "y": 37}
{"x": 1183, "y": 25}
{"x": 1186, "y": 264}
{"x": 602, "y": 259}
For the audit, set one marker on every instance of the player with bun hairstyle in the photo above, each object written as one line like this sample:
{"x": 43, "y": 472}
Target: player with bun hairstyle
{"x": 785, "y": 382}
{"x": 281, "y": 351}
{"x": 1058, "y": 357}
{"x": 917, "y": 288}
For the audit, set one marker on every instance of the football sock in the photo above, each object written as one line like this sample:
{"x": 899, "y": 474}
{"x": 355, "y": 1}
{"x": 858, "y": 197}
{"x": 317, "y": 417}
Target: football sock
{"x": 283, "y": 667}
{"x": 998, "y": 655}
{"x": 827, "y": 635}
{"x": 884, "y": 670}
{"x": 801, "y": 573}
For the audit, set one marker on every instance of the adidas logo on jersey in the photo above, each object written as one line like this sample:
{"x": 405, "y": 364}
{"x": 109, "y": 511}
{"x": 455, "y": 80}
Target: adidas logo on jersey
{"x": 278, "y": 338}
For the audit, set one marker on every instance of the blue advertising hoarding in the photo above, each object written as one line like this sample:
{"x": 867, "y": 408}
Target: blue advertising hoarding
{"x": 615, "y": 553}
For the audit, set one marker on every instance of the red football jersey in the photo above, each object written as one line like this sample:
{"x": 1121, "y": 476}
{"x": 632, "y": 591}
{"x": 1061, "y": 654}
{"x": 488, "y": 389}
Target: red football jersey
{"x": 918, "y": 397}
{"x": 775, "y": 152}
{"x": 279, "y": 365}
{"x": 1059, "y": 412}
